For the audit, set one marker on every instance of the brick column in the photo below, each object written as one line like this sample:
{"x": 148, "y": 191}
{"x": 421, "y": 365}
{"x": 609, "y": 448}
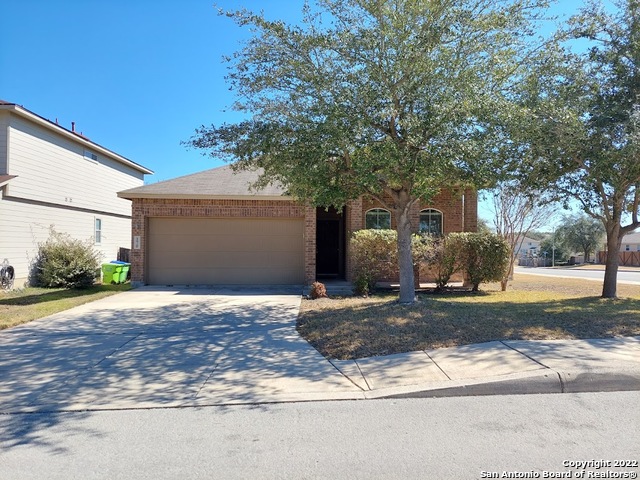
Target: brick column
{"x": 354, "y": 222}
{"x": 470, "y": 210}
{"x": 138, "y": 229}
{"x": 309, "y": 244}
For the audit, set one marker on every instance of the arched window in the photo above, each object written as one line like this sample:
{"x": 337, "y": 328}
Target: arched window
{"x": 378, "y": 218}
{"x": 431, "y": 221}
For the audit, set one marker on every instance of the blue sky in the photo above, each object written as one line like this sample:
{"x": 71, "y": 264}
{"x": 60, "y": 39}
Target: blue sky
{"x": 137, "y": 76}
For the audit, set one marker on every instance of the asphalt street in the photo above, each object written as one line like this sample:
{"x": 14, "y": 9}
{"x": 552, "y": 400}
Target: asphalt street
{"x": 442, "y": 438}
{"x": 627, "y": 277}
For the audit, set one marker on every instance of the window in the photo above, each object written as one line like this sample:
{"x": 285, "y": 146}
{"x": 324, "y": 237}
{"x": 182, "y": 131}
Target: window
{"x": 378, "y": 218}
{"x": 98, "y": 231}
{"x": 90, "y": 155}
{"x": 431, "y": 221}
{"x": 627, "y": 248}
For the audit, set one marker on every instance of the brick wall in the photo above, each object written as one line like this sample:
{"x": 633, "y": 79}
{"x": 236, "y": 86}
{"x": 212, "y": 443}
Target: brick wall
{"x": 456, "y": 218}
{"x": 458, "y": 215}
{"x": 144, "y": 208}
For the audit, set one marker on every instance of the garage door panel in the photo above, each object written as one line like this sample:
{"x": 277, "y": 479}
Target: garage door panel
{"x": 219, "y": 251}
{"x": 223, "y": 260}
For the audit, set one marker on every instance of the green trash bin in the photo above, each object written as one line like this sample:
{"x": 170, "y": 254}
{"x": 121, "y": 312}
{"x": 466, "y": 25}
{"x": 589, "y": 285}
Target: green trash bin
{"x": 111, "y": 273}
{"x": 123, "y": 271}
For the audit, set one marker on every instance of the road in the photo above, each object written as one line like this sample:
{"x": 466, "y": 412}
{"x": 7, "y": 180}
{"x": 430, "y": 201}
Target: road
{"x": 627, "y": 277}
{"x": 448, "y": 438}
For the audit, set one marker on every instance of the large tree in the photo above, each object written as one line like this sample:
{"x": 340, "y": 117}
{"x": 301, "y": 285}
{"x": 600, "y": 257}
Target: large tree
{"x": 586, "y": 115}
{"x": 581, "y": 233}
{"x": 393, "y": 99}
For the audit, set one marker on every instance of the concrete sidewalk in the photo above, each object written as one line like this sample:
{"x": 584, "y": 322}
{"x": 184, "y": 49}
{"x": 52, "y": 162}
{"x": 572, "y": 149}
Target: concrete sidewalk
{"x": 506, "y": 367}
{"x": 163, "y": 347}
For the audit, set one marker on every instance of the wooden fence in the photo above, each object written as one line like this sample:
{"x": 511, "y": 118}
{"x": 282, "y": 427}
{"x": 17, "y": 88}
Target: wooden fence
{"x": 628, "y": 259}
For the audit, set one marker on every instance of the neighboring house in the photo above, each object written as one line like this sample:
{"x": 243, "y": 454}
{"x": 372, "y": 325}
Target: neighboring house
{"x": 212, "y": 228}
{"x": 51, "y": 177}
{"x": 629, "y": 251}
{"x": 631, "y": 242}
{"x": 527, "y": 247}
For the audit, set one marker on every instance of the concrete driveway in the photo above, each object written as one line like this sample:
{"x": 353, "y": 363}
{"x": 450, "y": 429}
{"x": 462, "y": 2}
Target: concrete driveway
{"x": 160, "y": 347}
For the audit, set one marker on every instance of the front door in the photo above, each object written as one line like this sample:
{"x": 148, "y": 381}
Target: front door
{"x": 330, "y": 243}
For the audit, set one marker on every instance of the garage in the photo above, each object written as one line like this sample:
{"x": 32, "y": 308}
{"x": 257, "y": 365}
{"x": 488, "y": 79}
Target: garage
{"x": 210, "y": 251}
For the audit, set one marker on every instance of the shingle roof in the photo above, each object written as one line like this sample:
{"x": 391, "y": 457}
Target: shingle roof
{"x": 221, "y": 182}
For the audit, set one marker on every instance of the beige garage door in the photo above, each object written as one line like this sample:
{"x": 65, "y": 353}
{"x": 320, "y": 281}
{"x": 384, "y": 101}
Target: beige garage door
{"x": 196, "y": 251}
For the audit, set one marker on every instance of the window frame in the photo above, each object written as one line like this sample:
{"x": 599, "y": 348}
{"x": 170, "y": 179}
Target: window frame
{"x": 431, "y": 211}
{"x": 378, "y": 212}
{"x": 97, "y": 230}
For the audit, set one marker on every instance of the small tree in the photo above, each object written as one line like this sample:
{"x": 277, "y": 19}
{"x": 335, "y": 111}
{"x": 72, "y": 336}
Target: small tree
{"x": 582, "y": 233}
{"x": 555, "y": 248}
{"x": 516, "y": 213}
{"x": 63, "y": 261}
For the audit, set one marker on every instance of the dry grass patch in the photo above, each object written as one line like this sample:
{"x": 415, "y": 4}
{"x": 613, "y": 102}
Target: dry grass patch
{"x": 533, "y": 308}
{"x": 24, "y": 305}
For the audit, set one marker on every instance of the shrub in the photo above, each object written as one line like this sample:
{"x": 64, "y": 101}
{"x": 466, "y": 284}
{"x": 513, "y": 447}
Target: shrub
{"x": 318, "y": 290}
{"x": 373, "y": 253}
{"x": 484, "y": 257}
{"x": 66, "y": 262}
{"x": 443, "y": 258}
{"x": 375, "y": 256}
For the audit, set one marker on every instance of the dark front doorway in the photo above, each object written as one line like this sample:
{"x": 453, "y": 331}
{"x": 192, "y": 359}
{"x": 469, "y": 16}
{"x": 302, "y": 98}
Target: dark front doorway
{"x": 330, "y": 243}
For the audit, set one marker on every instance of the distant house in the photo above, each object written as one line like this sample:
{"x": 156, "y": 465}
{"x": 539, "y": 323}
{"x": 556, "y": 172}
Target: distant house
{"x": 527, "y": 247}
{"x": 52, "y": 177}
{"x": 629, "y": 251}
{"x": 212, "y": 228}
{"x": 631, "y": 242}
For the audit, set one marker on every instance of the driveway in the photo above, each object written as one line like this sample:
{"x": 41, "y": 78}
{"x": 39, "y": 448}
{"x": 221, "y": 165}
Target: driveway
{"x": 161, "y": 347}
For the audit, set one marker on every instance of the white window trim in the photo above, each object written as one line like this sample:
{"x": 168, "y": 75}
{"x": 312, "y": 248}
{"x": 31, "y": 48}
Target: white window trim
{"x": 97, "y": 233}
{"x": 428, "y": 210}
{"x": 378, "y": 211}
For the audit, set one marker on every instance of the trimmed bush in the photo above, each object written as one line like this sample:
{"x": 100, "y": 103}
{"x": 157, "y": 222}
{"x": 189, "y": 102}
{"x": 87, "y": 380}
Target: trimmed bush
{"x": 375, "y": 255}
{"x": 483, "y": 256}
{"x": 65, "y": 262}
{"x": 443, "y": 258}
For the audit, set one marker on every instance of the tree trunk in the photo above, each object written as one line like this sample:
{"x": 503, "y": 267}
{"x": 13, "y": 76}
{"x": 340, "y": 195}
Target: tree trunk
{"x": 405, "y": 260}
{"x": 614, "y": 240}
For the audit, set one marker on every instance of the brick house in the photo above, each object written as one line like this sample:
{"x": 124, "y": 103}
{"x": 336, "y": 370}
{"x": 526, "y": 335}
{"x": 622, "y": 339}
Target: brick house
{"x": 212, "y": 228}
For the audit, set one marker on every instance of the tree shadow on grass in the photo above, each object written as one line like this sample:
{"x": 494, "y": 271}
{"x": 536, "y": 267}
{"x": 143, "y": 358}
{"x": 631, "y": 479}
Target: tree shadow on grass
{"x": 373, "y": 327}
{"x": 52, "y": 296}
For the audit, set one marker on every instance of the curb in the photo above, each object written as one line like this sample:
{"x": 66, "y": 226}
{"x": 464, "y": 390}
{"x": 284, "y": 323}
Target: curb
{"x": 556, "y": 382}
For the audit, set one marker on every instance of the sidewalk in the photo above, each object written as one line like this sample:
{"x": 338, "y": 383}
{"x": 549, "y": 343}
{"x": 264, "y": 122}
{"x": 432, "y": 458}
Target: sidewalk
{"x": 507, "y": 367}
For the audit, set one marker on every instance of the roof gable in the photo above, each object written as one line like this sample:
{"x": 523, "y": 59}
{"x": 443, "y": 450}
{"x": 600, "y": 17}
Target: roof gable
{"x": 220, "y": 182}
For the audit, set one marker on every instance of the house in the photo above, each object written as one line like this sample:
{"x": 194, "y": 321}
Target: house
{"x": 527, "y": 247}
{"x": 52, "y": 177}
{"x": 212, "y": 228}
{"x": 630, "y": 242}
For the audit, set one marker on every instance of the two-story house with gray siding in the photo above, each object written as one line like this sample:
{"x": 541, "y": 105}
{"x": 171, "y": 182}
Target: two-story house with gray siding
{"x": 53, "y": 177}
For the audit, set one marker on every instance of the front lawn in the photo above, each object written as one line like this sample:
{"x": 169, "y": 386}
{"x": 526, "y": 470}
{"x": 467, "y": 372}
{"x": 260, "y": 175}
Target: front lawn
{"x": 532, "y": 308}
{"x": 23, "y": 305}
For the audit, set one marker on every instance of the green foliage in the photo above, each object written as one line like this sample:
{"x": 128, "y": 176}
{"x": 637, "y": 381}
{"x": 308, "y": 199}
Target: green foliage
{"x": 561, "y": 250}
{"x": 583, "y": 131}
{"x": 443, "y": 258}
{"x": 395, "y": 99}
{"x": 483, "y": 256}
{"x": 582, "y": 233}
{"x": 63, "y": 261}
{"x": 374, "y": 254}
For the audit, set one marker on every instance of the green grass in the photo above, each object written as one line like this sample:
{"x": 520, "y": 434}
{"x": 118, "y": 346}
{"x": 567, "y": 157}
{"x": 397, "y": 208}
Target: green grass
{"x": 532, "y": 308}
{"x": 24, "y": 305}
